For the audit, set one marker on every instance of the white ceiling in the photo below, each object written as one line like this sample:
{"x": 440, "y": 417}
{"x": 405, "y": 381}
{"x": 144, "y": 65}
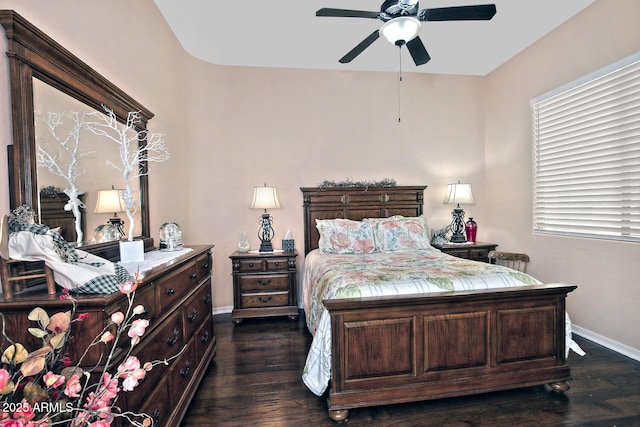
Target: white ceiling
{"x": 286, "y": 33}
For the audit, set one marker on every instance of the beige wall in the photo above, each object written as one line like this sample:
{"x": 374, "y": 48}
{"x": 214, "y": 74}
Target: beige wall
{"x": 231, "y": 128}
{"x": 606, "y": 301}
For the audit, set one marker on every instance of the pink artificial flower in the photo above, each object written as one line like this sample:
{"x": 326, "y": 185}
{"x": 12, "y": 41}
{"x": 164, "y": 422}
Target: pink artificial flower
{"x": 53, "y": 380}
{"x": 128, "y": 287}
{"x": 4, "y": 378}
{"x": 83, "y": 316}
{"x": 131, "y": 371}
{"x": 100, "y": 423}
{"x": 73, "y": 386}
{"x": 137, "y": 328}
{"x": 106, "y": 337}
{"x": 109, "y": 386}
{"x": 138, "y": 309}
{"x": 66, "y": 362}
{"x": 117, "y": 317}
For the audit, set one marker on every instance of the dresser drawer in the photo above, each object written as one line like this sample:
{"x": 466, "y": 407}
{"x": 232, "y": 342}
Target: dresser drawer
{"x": 158, "y": 406}
{"x": 204, "y": 338}
{"x": 204, "y": 265}
{"x": 181, "y": 373}
{"x": 147, "y": 298}
{"x": 274, "y": 299}
{"x": 196, "y": 309}
{"x": 264, "y": 283}
{"x": 172, "y": 288}
{"x": 159, "y": 345}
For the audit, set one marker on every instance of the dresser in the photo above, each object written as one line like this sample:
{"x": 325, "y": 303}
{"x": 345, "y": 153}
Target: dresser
{"x": 478, "y": 251}
{"x": 264, "y": 285}
{"x": 177, "y": 297}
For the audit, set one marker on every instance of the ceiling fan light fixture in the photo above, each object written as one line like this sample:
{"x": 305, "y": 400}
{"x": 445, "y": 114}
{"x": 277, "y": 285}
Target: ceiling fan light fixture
{"x": 400, "y": 30}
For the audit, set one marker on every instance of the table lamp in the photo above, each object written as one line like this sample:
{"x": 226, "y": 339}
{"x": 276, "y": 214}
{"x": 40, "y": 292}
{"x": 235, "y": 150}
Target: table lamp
{"x": 458, "y": 194}
{"x": 265, "y": 197}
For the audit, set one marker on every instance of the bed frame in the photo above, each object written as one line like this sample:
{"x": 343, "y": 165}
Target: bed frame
{"x": 391, "y": 350}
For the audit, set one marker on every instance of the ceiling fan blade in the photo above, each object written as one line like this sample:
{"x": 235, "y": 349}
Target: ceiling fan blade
{"x": 346, "y": 13}
{"x": 481, "y": 12}
{"x": 418, "y": 51}
{"x": 360, "y": 47}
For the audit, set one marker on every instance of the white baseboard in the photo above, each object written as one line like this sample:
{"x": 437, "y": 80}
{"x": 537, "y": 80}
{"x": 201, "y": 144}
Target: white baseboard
{"x": 606, "y": 342}
{"x": 222, "y": 310}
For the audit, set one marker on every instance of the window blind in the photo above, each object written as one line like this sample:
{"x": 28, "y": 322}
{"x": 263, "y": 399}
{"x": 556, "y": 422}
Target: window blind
{"x": 586, "y": 143}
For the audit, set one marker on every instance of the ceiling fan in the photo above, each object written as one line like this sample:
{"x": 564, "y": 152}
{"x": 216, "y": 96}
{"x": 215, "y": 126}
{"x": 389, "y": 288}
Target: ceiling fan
{"x": 402, "y": 24}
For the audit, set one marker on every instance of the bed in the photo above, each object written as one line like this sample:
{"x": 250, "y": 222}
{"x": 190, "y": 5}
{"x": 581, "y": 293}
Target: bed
{"x": 388, "y": 331}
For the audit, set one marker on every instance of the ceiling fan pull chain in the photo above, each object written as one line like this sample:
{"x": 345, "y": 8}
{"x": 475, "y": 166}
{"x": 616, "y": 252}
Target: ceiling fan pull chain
{"x": 399, "y": 79}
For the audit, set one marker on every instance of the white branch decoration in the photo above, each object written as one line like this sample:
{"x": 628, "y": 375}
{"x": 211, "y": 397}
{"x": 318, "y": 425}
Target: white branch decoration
{"x": 136, "y": 146}
{"x": 55, "y": 162}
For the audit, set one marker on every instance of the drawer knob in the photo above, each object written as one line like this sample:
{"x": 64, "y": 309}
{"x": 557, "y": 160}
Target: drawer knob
{"x": 277, "y": 263}
{"x": 172, "y": 341}
{"x": 184, "y": 372}
{"x": 171, "y": 291}
{"x": 205, "y": 266}
{"x": 207, "y": 299}
{"x": 156, "y": 416}
{"x": 193, "y": 275}
{"x": 265, "y": 300}
{"x": 264, "y": 283}
{"x": 205, "y": 337}
{"x": 193, "y": 316}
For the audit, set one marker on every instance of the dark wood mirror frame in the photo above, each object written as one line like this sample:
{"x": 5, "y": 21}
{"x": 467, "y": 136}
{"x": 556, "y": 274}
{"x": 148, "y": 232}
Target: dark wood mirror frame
{"x": 33, "y": 54}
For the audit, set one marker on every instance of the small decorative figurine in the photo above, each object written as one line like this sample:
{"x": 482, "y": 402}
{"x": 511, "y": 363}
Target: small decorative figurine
{"x": 243, "y": 243}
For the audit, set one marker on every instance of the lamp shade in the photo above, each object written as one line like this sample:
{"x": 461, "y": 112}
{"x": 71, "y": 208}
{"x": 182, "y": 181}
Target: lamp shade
{"x": 459, "y": 194}
{"x": 109, "y": 201}
{"x": 400, "y": 30}
{"x": 265, "y": 198}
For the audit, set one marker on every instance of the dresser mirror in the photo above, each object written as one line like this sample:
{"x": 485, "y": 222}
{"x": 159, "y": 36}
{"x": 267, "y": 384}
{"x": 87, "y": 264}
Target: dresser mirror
{"x": 44, "y": 77}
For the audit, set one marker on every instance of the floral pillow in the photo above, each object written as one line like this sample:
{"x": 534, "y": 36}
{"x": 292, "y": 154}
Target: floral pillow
{"x": 345, "y": 236}
{"x": 398, "y": 233}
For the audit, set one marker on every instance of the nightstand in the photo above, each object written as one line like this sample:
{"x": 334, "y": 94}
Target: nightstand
{"x": 478, "y": 251}
{"x": 264, "y": 285}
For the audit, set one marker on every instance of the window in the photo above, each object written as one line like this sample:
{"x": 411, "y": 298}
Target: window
{"x": 586, "y": 143}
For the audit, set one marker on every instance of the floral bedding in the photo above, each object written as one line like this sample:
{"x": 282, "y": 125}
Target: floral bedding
{"x": 328, "y": 276}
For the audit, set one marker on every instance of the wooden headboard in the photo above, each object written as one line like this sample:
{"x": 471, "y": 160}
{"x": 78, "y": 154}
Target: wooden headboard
{"x": 356, "y": 203}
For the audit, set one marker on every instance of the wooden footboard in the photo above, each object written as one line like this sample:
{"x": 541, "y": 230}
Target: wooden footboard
{"x": 400, "y": 349}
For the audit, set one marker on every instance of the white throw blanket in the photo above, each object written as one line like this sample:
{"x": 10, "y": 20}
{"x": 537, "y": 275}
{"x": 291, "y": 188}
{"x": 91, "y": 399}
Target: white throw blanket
{"x": 28, "y": 246}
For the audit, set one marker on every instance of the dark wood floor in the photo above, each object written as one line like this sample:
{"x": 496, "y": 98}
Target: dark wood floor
{"x": 254, "y": 380}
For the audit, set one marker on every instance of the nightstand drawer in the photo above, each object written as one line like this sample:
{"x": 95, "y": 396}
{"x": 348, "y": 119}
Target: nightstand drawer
{"x": 479, "y": 254}
{"x": 250, "y": 265}
{"x": 264, "y": 283}
{"x": 274, "y": 299}
{"x": 277, "y": 264}
{"x": 478, "y": 251}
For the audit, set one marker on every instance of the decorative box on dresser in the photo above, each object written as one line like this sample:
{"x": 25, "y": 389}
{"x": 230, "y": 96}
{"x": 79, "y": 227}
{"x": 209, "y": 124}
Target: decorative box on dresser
{"x": 478, "y": 251}
{"x": 177, "y": 297}
{"x": 264, "y": 285}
